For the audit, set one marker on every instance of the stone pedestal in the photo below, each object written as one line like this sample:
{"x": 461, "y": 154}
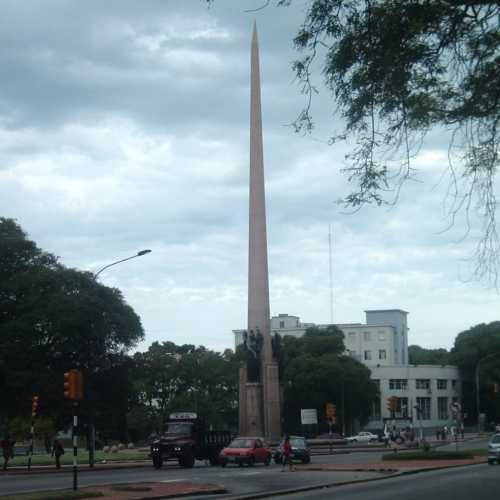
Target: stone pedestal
{"x": 272, "y": 404}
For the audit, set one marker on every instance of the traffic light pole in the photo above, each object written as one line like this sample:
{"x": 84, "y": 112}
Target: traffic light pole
{"x": 32, "y": 433}
{"x": 75, "y": 446}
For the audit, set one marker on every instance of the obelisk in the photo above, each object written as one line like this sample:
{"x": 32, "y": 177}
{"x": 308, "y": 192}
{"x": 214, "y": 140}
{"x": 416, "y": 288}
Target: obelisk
{"x": 260, "y": 409}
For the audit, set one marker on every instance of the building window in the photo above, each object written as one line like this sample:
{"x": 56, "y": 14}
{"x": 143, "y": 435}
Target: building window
{"x": 352, "y": 336}
{"x": 381, "y": 335}
{"x": 443, "y": 408}
{"x": 454, "y": 384}
{"x": 423, "y": 408}
{"x": 375, "y": 410}
{"x": 367, "y": 336}
{"x": 282, "y": 324}
{"x": 382, "y": 354}
{"x": 422, "y": 383}
{"x": 368, "y": 355}
{"x": 398, "y": 384}
{"x": 402, "y": 407}
{"x": 442, "y": 383}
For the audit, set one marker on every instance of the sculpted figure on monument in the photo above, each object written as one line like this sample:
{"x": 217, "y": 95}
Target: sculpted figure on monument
{"x": 252, "y": 345}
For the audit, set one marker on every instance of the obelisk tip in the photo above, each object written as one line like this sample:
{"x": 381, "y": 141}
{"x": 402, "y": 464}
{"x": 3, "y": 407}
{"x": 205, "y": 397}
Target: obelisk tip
{"x": 254, "y": 32}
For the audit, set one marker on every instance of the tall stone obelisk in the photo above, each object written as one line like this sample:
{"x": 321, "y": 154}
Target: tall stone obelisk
{"x": 260, "y": 409}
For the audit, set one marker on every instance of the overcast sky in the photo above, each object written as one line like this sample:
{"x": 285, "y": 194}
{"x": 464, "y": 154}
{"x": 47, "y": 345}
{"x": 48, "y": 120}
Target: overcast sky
{"x": 124, "y": 126}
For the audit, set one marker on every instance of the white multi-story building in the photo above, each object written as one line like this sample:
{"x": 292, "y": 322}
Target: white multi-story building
{"x": 382, "y": 345}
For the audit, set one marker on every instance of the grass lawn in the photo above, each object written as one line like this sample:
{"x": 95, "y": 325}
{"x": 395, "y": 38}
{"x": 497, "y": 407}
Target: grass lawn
{"x": 431, "y": 455}
{"x": 83, "y": 457}
{"x": 53, "y": 495}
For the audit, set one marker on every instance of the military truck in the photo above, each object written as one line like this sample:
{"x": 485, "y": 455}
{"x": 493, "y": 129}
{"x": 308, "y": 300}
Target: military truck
{"x": 187, "y": 439}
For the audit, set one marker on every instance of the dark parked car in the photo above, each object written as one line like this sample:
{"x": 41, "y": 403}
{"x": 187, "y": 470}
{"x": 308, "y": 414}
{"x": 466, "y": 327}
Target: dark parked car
{"x": 334, "y": 438}
{"x": 300, "y": 450}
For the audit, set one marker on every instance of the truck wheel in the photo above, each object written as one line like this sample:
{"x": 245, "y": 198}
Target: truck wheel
{"x": 223, "y": 463}
{"x": 157, "y": 461}
{"x": 188, "y": 461}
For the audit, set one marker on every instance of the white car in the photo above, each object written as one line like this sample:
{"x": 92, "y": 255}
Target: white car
{"x": 363, "y": 437}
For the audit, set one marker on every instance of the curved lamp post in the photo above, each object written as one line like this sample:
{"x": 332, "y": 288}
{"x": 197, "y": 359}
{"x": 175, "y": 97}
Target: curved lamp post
{"x": 91, "y": 416}
{"x": 478, "y": 409}
{"x": 138, "y": 254}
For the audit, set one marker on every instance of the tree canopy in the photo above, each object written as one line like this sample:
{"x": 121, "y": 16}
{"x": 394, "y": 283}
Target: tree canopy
{"x": 53, "y": 318}
{"x": 315, "y": 371}
{"x": 398, "y": 69}
{"x": 479, "y": 344}
{"x": 420, "y": 356}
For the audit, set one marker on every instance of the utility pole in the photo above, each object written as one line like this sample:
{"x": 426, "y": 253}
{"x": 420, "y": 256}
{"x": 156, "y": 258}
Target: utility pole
{"x": 330, "y": 271}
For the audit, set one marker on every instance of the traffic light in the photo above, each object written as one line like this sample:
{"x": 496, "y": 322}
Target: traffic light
{"x": 392, "y": 403}
{"x": 34, "y": 406}
{"x": 331, "y": 413}
{"x": 73, "y": 385}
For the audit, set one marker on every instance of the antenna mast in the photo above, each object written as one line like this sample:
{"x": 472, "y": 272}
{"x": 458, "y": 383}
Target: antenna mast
{"x": 331, "y": 272}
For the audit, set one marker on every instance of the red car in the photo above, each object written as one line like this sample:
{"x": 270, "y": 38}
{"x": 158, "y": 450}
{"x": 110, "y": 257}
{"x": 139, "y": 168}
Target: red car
{"x": 246, "y": 450}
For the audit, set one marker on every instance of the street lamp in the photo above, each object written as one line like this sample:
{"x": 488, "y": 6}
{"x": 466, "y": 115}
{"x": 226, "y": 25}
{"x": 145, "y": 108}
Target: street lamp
{"x": 138, "y": 254}
{"x": 491, "y": 355}
{"x": 91, "y": 416}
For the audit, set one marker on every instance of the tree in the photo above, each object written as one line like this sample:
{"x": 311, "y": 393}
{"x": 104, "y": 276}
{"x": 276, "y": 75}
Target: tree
{"x": 315, "y": 371}
{"x": 397, "y": 69}
{"x": 420, "y": 356}
{"x": 53, "y": 318}
{"x": 171, "y": 378}
{"x": 481, "y": 343}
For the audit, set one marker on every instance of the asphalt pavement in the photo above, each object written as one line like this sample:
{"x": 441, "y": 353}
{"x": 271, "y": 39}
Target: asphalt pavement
{"x": 478, "y": 482}
{"x": 258, "y": 480}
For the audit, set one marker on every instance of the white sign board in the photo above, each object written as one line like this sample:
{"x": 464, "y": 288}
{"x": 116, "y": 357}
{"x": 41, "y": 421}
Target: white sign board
{"x": 184, "y": 415}
{"x": 308, "y": 417}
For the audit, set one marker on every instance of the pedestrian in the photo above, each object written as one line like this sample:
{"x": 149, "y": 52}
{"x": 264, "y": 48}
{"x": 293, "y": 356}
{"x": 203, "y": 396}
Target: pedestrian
{"x": 445, "y": 433}
{"x": 57, "y": 451}
{"x": 462, "y": 430}
{"x": 287, "y": 455}
{"x": 7, "y": 450}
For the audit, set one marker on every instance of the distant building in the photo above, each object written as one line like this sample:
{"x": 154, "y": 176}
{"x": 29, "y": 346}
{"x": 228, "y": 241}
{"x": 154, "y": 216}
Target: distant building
{"x": 382, "y": 345}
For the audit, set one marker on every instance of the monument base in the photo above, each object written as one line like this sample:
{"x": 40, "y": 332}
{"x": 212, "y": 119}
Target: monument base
{"x": 251, "y": 422}
{"x": 272, "y": 404}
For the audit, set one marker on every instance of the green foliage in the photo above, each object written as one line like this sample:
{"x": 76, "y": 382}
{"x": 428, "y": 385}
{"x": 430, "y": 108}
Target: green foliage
{"x": 420, "y": 356}
{"x": 53, "y": 318}
{"x": 171, "y": 378}
{"x": 55, "y": 495}
{"x": 480, "y": 344}
{"x": 315, "y": 371}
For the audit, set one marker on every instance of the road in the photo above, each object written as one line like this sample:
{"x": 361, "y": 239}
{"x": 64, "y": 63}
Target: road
{"x": 237, "y": 480}
{"x": 478, "y": 482}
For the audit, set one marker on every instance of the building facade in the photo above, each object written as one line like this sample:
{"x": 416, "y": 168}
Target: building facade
{"x": 427, "y": 394}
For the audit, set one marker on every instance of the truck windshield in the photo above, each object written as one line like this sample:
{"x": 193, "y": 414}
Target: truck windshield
{"x": 179, "y": 428}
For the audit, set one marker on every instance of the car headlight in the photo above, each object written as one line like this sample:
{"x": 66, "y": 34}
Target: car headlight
{"x": 156, "y": 448}
{"x": 177, "y": 448}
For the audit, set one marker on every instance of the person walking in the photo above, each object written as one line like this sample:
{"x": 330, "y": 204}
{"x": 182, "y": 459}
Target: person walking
{"x": 287, "y": 455}
{"x": 7, "y": 446}
{"x": 57, "y": 451}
